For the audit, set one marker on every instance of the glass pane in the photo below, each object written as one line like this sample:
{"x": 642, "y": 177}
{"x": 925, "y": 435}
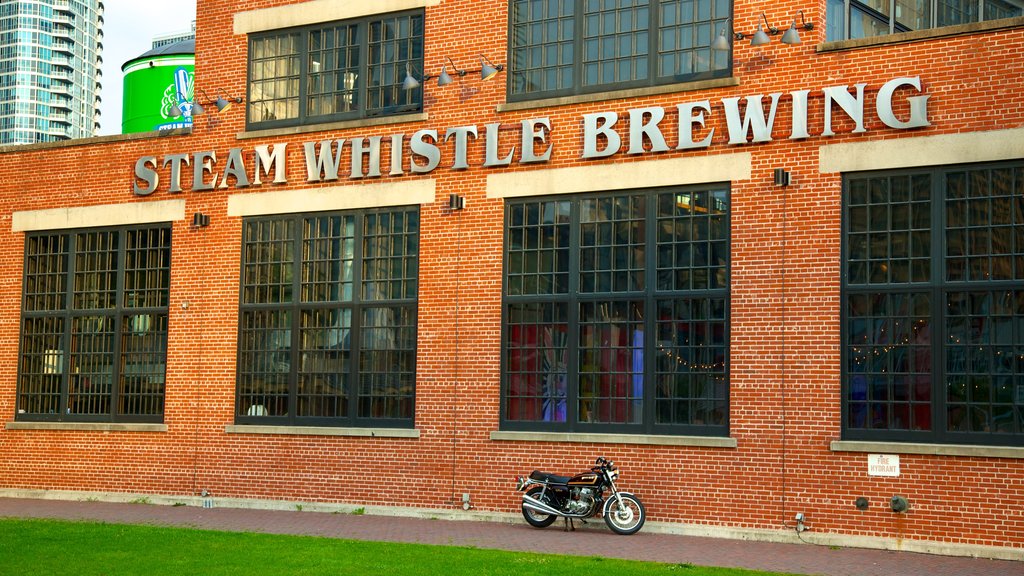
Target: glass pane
{"x": 889, "y": 356}
{"x": 611, "y": 343}
{"x": 536, "y": 355}
{"x": 264, "y": 363}
{"x": 387, "y": 363}
{"x": 325, "y": 340}
{"x": 691, "y": 356}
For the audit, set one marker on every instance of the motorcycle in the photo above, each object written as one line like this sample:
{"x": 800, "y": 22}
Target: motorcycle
{"x": 549, "y": 497}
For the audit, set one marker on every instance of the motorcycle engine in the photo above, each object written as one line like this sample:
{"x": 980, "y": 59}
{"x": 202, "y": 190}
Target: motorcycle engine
{"x": 581, "y": 502}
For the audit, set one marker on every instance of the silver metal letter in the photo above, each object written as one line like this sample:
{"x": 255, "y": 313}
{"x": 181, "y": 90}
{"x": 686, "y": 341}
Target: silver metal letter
{"x": 598, "y": 124}
{"x": 462, "y": 134}
{"x": 687, "y": 120}
{"x": 428, "y": 150}
{"x": 532, "y": 134}
{"x": 144, "y": 172}
{"x": 799, "y": 115}
{"x": 638, "y": 129}
{"x": 918, "y": 104}
{"x": 491, "y": 148}
{"x": 323, "y": 165}
{"x": 852, "y": 105}
{"x": 397, "y": 142}
{"x": 359, "y": 150}
{"x": 202, "y": 163}
{"x": 235, "y": 166}
{"x": 175, "y": 161}
{"x": 265, "y": 160}
{"x": 753, "y": 119}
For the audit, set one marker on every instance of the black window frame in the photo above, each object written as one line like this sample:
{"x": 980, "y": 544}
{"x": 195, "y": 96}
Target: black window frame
{"x": 925, "y": 310}
{"x": 651, "y": 296}
{"x": 251, "y": 406}
{"x": 412, "y": 100}
{"x": 709, "y": 28}
{"x": 135, "y": 320}
{"x": 843, "y": 10}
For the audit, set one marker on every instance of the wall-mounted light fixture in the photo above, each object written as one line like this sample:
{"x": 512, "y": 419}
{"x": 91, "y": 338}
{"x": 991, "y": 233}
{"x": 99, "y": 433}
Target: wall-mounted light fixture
{"x": 200, "y": 220}
{"x": 792, "y": 36}
{"x": 487, "y": 71}
{"x": 456, "y": 202}
{"x": 760, "y": 37}
{"x": 781, "y": 177}
{"x": 221, "y": 102}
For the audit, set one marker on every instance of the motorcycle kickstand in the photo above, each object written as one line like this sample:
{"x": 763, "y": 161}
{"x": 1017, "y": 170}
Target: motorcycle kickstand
{"x": 569, "y": 527}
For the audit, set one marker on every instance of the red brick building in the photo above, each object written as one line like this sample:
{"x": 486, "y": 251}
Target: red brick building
{"x": 765, "y": 279}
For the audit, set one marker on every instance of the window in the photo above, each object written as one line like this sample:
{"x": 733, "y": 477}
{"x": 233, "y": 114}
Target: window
{"x": 94, "y": 325}
{"x": 336, "y": 71}
{"x": 616, "y": 313}
{"x": 565, "y": 47}
{"x": 848, "y": 19}
{"x": 328, "y": 319}
{"x": 933, "y": 309}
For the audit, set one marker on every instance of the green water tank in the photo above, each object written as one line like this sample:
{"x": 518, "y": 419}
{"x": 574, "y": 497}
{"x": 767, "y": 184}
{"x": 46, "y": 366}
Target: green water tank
{"x": 156, "y": 81}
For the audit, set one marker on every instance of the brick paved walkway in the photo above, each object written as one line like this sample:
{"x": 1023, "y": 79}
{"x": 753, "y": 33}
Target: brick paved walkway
{"x": 791, "y": 558}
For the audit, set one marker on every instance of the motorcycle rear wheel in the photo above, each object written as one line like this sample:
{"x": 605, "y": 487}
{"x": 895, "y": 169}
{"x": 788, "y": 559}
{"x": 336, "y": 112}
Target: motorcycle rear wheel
{"x": 538, "y": 519}
{"x": 626, "y": 519}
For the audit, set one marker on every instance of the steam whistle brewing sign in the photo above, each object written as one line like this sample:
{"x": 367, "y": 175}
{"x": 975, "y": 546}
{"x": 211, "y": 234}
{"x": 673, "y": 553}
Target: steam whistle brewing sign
{"x": 328, "y": 160}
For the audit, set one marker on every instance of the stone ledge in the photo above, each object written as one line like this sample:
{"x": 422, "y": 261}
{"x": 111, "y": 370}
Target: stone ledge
{"x": 87, "y": 426}
{"x": 918, "y": 35}
{"x": 927, "y": 449}
{"x": 9, "y": 148}
{"x": 333, "y": 126}
{"x": 617, "y": 94}
{"x": 323, "y": 431}
{"x": 650, "y": 439}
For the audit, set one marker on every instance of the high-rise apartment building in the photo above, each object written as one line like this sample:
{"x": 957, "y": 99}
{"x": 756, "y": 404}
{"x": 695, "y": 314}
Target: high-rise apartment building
{"x": 49, "y": 69}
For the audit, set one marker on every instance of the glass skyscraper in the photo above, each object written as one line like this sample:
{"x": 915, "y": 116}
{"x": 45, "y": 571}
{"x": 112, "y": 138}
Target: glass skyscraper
{"x": 49, "y": 69}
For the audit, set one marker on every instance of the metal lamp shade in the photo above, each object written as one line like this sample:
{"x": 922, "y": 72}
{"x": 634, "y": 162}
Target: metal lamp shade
{"x": 792, "y": 36}
{"x": 222, "y": 104}
{"x": 760, "y": 38}
{"x": 444, "y": 78}
{"x": 175, "y": 111}
{"x": 721, "y": 42}
{"x": 197, "y": 109}
{"x": 409, "y": 83}
{"x": 487, "y": 71}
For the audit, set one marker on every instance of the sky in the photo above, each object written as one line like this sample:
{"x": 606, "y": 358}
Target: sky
{"x": 129, "y": 27}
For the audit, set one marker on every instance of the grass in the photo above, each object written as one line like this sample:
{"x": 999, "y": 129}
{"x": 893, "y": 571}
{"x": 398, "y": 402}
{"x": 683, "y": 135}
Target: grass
{"x": 53, "y": 547}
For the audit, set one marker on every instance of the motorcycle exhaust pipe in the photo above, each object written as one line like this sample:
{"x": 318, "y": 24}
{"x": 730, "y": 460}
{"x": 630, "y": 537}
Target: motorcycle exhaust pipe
{"x": 538, "y": 506}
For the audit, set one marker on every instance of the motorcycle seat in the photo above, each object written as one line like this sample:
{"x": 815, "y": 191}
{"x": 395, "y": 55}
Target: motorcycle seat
{"x": 550, "y": 478}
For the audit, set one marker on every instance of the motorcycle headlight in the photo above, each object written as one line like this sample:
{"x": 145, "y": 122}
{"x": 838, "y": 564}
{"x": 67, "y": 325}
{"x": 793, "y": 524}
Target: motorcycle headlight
{"x": 520, "y": 483}
{"x": 614, "y": 474}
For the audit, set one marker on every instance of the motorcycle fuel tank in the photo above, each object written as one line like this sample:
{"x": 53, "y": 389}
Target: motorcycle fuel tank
{"x": 584, "y": 479}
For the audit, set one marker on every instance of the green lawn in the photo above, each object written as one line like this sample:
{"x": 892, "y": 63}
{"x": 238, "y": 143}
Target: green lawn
{"x": 50, "y": 548}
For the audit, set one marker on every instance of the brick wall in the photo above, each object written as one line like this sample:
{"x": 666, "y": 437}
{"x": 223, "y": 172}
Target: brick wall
{"x": 785, "y": 333}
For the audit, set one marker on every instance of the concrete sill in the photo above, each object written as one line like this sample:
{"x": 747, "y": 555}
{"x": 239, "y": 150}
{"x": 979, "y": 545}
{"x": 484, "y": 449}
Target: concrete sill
{"x": 927, "y": 449}
{"x": 324, "y": 431}
{"x": 96, "y": 140}
{"x": 86, "y": 426}
{"x": 648, "y": 439}
{"x": 918, "y": 35}
{"x": 334, "y": 126}
{"x": 617, "y": 94}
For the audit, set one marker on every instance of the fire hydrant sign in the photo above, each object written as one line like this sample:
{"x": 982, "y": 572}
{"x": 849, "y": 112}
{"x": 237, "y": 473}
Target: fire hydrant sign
{"x": 883, "y": 465}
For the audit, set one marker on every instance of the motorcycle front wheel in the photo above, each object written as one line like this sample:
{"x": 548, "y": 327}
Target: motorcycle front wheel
{"x": 534, "y": 518}
{"x": 627, "y": 518}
